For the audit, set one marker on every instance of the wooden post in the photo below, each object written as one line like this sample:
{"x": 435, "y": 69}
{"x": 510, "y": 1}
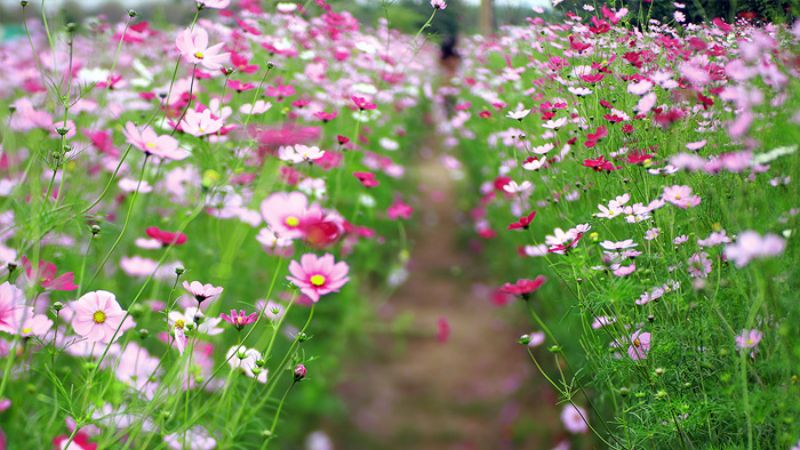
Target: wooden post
{"x": 487, "y": 17}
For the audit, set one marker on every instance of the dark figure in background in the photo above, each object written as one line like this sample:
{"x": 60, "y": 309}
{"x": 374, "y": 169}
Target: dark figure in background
{"x": 449, "y": 60}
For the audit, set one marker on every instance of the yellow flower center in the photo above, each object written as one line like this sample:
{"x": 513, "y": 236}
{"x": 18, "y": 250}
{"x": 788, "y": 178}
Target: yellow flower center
{"x": 180, "y": 324}
{"x": 199, "y": 55}
{"x": 27, "y": 330}
{"x": 99, "y": 317}
{"x": 318, "y": 280}
{"x": 637, "y": 342}
{"x": 150, "y": 145}
{"x": 292, "y": 221}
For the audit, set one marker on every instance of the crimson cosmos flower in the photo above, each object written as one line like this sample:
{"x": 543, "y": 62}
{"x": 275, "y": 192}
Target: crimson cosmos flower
{"x": 524, "y": 287}
{"x": 523, "y": 223}
{"x": 166, "y": 237}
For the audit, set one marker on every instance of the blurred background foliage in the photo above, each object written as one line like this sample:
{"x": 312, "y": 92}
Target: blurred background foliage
{"x": 408, "y": 15}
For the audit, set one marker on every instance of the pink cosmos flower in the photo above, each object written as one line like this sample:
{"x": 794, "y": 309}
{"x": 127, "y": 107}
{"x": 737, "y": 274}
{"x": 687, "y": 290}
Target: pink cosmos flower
{"x": 640, "y": 345}
{"x": 215, "y": 4}
{"x": 681, "y": 196}
{"x": 202, "y": 292}
{"x": 748, "y": 339}
{"x": 575, "y": 419}
{"x": 98, "y": 316}
{"x": 438, "y": 4}
{"x": 193, "y": 45}
{"x": 13, "y": 311}
{"x": 195, "y": 438}
{"x": 239, "y": 319}
{"x": 286, "y": 213}
{"x": 750, "y": 245}
{"x": 38, "y": 325}
{"x": 199, "y": 123}
{"x": 316, "y": 276}
{"x": 152, "y": 144}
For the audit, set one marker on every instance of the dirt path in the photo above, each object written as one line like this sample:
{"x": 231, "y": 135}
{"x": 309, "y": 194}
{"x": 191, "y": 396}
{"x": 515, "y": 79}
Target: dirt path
{"x": 419, "y": 394}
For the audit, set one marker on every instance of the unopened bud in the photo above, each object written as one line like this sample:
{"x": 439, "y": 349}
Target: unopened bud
{"x": 241, "y": 354}
{"x": 659, "y": 371}
{"x": 302, "y": 337}
{"x": 71, "y": 27}
{"x": 61, "y": 131}
{"x": 623, "y": 391}
{"x": 58, "y": 306}
{"x": 23, "y": 3}
{"x": 131, "y": 13}
{"x": 12, "y": 266}
{"x": 95, "y": 229}
{"x": 260, "y": 362}
{"x": 179, "y": 271}
{"x": 299, "y": 372}
{"x": 144, "y": 333}
{"x": 270, "y": 65}
{"x": 524, "y": 339}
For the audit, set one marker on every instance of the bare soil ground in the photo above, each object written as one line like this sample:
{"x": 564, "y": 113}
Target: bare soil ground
{"x": 415, "y": 393}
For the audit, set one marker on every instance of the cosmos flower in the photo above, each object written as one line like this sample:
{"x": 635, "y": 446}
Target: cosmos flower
{"x": 575, "y": 419}
{"x": 239, "y": 319}
{"x": 13, "y": 311}
{"x": 201, "y": 123}
{"x": 318, "y": 276}
{"x": 639, "y": 345}
{"x": 193, "y": 45}
{"x": 150, "y": 143}
{"x": 99, "y": 318}
{"x": 202, "y": 292}
{"x": 750, "y": 245}
{"x": 748, "y": 339}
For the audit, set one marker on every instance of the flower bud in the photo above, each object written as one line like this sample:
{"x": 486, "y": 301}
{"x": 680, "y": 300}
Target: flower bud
{"x": 61, "y": 131}
{"x": 95, "y": 229}
{"x": 623, "y": 391}
{"x": 179, "y": 271}
{"x": 23, "y": 3}
{"x": 144, "y": 333}
{"x": 299, "y": 372}
{"x": 260, "y": 362}
{"x": 524, "y": 339}
{"x": 241, "y": 353}
{"x": 58, "y": 306}
{"x": 131, "y": 13}
{"x": 659, "y": 371}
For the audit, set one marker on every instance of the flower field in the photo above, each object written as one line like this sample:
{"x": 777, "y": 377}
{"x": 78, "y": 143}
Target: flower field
{"x": 201, "y": 222}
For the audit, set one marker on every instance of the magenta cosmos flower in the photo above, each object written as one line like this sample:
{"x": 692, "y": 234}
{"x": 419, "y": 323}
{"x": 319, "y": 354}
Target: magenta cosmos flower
{"x": 193, "y": 45}
{"x": 239, "y": 319}
{"x": 98, "y": 316}
{"x": 316, "y": 276}
{"x": 152, "y": 144}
